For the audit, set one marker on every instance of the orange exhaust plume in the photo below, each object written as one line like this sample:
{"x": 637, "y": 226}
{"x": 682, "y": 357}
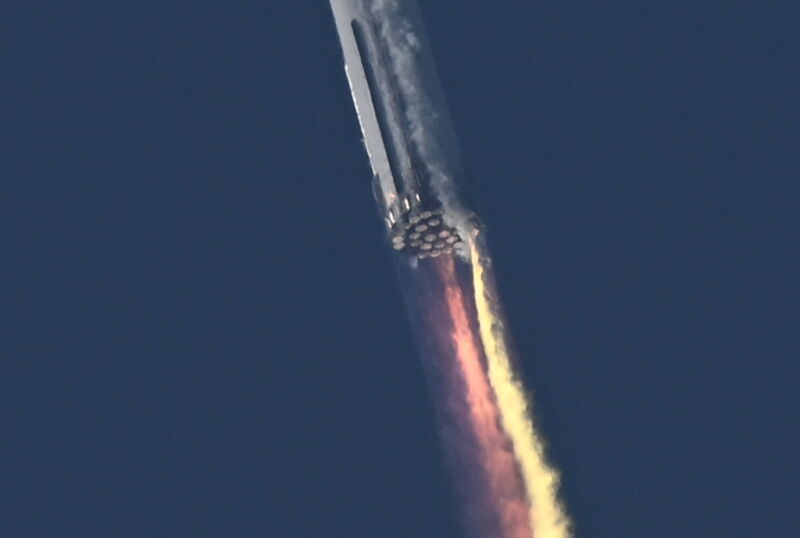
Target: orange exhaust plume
{"x": 507, "y": 491}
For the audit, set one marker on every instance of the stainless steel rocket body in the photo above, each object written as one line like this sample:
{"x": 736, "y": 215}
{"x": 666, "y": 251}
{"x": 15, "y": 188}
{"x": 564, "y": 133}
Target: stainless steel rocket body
{"x": 405, "y": 124}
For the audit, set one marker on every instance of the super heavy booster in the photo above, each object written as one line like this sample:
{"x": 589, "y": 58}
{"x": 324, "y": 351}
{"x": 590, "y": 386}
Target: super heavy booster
{"x": 405, "y": 124}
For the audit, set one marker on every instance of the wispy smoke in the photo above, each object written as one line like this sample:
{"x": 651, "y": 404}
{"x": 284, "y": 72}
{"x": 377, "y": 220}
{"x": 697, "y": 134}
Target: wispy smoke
{"x": 425, "y": 112}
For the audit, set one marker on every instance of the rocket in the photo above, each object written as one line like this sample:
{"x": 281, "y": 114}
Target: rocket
{"x": 405, "y": 125}
{"x": 511, "y": 490}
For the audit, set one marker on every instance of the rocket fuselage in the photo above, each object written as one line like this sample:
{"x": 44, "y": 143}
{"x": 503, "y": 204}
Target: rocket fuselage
{"x": 404, "y": 122}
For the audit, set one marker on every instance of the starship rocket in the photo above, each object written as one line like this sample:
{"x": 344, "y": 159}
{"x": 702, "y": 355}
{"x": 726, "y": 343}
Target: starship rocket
{"x": 405, "y": 125}
{"x": 509, "y": 488}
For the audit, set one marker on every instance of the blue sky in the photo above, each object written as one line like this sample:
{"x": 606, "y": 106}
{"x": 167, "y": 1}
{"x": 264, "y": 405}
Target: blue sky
{"x": 202, "y": 330}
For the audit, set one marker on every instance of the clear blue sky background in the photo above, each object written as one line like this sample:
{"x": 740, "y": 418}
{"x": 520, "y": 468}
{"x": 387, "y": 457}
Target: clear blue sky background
{"x": 202, "y": 333}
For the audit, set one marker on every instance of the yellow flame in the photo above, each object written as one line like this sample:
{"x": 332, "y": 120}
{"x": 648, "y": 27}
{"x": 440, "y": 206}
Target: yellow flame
{"x": 506, "y": 489}
{"x": 548, "y": 519}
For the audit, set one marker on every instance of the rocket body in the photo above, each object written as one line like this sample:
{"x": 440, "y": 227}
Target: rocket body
{"x": 405, "y": 125}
